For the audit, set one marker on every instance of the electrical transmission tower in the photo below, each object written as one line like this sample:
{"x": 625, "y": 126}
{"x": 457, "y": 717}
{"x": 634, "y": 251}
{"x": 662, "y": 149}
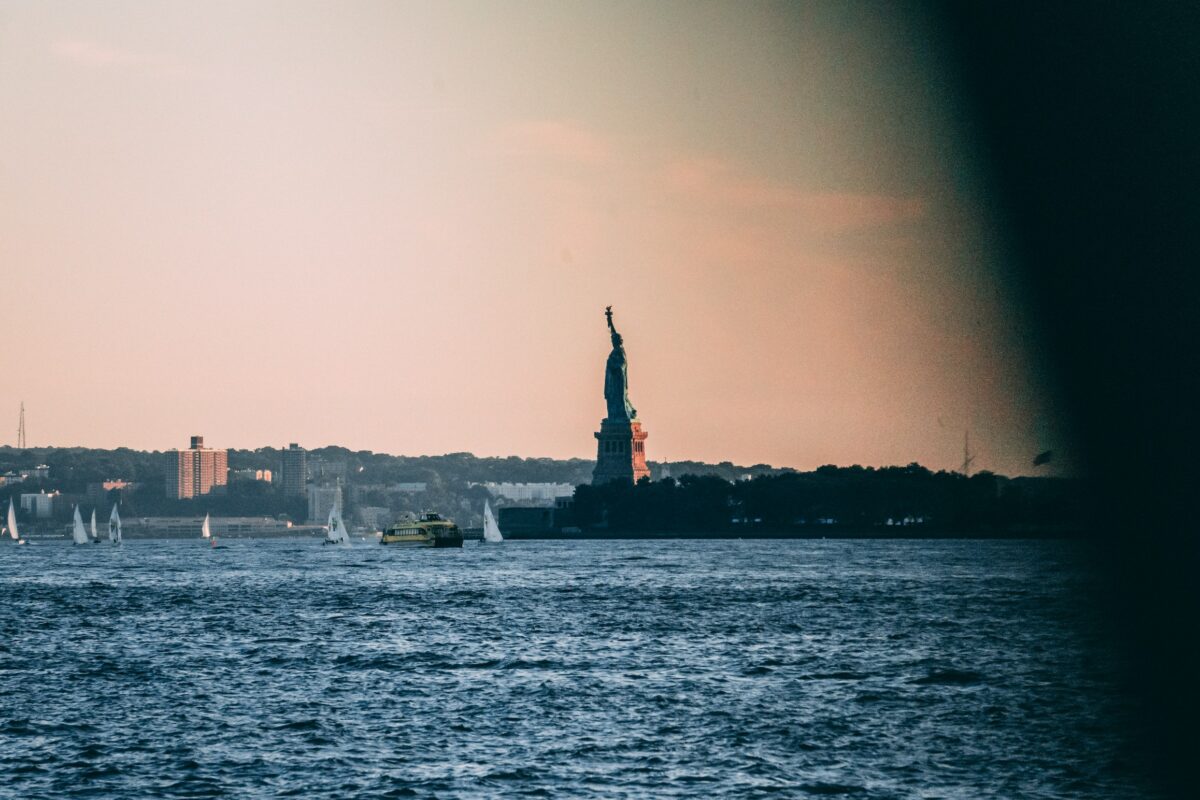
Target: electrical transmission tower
{"x": 968, "y": 456}
{"x": 21, "y": 428}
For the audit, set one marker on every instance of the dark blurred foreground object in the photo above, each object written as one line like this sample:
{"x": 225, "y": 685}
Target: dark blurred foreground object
{"x": 1087, "y": 116}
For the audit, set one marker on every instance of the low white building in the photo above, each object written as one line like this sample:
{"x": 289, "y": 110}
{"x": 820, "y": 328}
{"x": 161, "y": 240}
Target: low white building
{"x": 248, "y": 474}
{"x": 188, "y": 527}
{"x": 40, "y": 505}
{"x": 546, "y": 493}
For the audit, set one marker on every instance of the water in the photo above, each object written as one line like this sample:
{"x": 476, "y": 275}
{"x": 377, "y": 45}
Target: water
{"x": 566, "y": 669}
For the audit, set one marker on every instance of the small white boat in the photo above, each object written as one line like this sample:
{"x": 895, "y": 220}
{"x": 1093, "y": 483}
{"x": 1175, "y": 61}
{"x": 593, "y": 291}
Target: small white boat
{"x": 336, "y": 532}
{"x": 95, "y": 534}
{"x": 491, "y": 530}
{"x": 114, "y": 526}
{"x": 205, "y": 530}
{"x": 12, "y": 524}
{"x": 78, "y": 534}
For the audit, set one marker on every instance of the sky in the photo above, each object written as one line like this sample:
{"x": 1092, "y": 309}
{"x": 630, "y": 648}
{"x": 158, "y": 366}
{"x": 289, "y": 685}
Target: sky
{"x": 395, "y": 226}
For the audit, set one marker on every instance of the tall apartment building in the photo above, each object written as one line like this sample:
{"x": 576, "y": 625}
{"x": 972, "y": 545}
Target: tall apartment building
{"x": 322, "y": 500}
{"x": 293, "y": 473}
{"x": 196, "y": 471}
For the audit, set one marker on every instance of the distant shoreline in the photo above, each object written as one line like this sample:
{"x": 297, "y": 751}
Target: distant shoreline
{"x": 896, "y": 532}
{"x": 127, "y": 536}
{"x": 908, "y": 534}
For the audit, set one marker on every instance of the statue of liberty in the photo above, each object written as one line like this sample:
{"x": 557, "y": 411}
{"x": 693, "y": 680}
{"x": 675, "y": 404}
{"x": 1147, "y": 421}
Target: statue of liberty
{"x": 616, "y": 377}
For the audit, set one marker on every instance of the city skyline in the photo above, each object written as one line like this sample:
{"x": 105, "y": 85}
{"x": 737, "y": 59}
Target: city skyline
{"x": 396, "y": 230}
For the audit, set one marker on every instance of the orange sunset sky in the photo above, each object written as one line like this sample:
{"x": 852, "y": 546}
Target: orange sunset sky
{"x": 395, "y": 226}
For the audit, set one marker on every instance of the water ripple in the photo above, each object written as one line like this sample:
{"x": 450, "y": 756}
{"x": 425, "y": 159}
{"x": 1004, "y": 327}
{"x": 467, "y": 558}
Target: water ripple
{"x": 557, "y": 669}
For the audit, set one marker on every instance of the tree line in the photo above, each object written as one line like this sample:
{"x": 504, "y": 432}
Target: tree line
{"x": 899, "y": 501}
{"x": 718, "y": 498}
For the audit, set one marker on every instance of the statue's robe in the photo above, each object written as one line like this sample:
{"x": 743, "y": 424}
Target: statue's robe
{"x": 616, "y": 385}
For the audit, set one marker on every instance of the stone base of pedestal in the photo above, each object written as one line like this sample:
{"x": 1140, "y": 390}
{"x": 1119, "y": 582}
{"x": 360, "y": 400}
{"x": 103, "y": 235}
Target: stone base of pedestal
{"x": 620, "y": 452}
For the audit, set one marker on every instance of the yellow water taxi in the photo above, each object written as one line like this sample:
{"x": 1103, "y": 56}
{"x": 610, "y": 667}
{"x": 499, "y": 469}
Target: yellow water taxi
{"x": 431, "y": 530}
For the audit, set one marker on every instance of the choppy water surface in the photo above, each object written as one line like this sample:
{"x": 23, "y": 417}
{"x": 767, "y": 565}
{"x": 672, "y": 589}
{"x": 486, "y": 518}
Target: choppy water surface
{"x": 572, "y": 669}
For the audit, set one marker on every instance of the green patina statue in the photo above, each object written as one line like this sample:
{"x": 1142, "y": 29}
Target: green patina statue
{"x": 616, "y": 377}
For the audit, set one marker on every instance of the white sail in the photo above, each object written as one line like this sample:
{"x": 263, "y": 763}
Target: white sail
{"x": 205, "y": 531}
{"x": 95, "y": 535}
{"x": 337, "y": 533}
{"x": 78, "y": 534}
{"x": 491, "y": 531}
{"x": 12, "y": 522}
{"x": 114, "y": 526}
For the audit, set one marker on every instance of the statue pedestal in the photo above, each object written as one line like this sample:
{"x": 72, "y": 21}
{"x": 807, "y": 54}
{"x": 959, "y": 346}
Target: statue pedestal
{"x": 620, "y": 452}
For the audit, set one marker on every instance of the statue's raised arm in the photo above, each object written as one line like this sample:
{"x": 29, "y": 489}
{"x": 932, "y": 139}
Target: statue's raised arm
{"x": 608, "y": 316}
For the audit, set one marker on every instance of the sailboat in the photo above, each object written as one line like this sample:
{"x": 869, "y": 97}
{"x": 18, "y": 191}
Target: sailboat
{"x": 337, "y": 533}
{"x": 12, "y": 524}
{"x": 114, "y": 526}
{"x": 78, "y": 534}
{"x": 95, "y": 535}
{"x": 491, "y": 531}
{"x": 206, "y": 533}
